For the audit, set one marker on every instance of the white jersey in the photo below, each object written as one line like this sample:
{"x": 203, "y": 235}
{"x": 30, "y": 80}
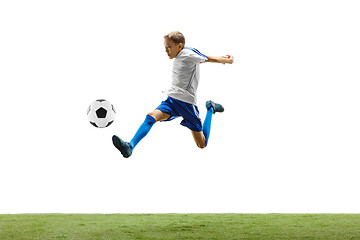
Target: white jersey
{"x": 186, "y": 75}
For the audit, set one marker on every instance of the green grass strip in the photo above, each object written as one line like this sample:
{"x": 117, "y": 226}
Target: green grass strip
{"x": 180, "y": 226}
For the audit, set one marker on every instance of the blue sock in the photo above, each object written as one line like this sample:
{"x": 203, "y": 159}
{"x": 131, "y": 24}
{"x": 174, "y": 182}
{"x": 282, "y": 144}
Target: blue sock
{"x": 143, "y": 131}
{"x": 207, "y": 124}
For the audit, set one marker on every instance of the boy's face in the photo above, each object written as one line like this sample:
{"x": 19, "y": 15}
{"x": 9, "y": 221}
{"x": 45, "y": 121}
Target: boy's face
{"x": 171, "y": 48}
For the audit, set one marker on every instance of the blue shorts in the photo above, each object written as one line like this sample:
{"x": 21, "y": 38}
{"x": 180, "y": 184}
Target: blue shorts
{"x": 176, "y": 108}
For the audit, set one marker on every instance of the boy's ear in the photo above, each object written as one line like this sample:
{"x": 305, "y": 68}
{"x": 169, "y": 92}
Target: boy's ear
{"x": 181, "y": 46}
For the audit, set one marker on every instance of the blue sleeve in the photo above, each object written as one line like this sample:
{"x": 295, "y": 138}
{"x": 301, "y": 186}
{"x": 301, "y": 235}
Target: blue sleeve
{"x": 198, "y": 56}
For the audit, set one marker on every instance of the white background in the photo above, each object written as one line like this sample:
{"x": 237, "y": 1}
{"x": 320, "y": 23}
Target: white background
{"x": 287, "y": 142}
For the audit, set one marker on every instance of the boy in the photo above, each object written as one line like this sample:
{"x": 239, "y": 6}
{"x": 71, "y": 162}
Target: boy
{"x": 181, "y": 99}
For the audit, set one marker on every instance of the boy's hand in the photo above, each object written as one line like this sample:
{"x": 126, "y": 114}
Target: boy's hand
{"x": 223, "y": 59}
{"x": 228, "y": 59}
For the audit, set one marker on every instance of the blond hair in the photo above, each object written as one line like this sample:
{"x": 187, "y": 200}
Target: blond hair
{"x": 176, "y": 36}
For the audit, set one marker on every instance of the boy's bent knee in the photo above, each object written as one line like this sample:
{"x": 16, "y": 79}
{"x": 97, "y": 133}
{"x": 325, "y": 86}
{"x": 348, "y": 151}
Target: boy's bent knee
{"x": 199, "y": 139}
{"x": 152, "y": 114}
{"x": 201, "y": 145}
{"x": 158, "y": 115}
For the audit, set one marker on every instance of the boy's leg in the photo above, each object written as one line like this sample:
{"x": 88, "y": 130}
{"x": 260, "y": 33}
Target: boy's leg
{"x": 202, "y": 138}
{"x": 144, "y": 129}
{"x": 126, "y": 148}
{"x": 207, "y": 123}
{"x": 159, "y": 115}
{"x": 199, "y": 139}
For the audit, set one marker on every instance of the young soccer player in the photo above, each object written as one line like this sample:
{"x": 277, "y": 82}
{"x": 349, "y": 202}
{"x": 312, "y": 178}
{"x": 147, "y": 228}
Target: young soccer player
{"x": 181, "y": 101}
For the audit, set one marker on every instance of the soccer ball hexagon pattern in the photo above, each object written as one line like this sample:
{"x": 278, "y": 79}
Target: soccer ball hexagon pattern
{"x": 101, "y": 113}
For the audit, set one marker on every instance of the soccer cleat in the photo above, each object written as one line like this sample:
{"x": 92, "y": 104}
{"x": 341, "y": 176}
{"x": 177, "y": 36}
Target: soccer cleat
{"x": 216, "y": 106}
{"x": 122, "y": 146}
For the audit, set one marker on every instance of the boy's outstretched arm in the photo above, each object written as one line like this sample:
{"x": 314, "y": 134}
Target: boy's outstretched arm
{"x": 221, "y": 59}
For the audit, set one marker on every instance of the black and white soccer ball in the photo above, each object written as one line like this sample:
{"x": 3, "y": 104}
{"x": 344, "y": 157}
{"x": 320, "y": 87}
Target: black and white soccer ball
{"x": 101, "y": 113}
